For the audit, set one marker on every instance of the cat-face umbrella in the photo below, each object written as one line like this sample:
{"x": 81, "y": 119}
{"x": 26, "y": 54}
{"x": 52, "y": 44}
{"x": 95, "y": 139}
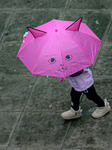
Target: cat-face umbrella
{"x": 59, "y": 48}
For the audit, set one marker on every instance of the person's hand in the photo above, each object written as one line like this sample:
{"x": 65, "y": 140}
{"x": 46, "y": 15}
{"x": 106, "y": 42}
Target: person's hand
{"x": 25, "y": 35}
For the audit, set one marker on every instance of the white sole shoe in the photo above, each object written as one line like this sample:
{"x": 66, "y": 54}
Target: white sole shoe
{"x": 71, "y": 114}
{"x": 101, "y": 111}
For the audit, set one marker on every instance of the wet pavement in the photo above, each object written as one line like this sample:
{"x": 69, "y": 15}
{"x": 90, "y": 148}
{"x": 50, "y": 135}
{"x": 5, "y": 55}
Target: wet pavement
{"x": 30, "y": 105}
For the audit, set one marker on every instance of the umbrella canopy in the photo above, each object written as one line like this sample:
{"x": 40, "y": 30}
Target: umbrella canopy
{"x": 59, "y": 48}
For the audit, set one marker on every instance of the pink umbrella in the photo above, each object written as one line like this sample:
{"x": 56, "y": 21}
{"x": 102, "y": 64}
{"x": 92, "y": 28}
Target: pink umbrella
{"x": 59, "y": 48}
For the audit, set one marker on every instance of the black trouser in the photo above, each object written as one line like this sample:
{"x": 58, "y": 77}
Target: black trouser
{"x": 91, "y": 95}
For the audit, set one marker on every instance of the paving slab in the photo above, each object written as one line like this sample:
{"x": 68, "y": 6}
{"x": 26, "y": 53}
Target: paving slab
{"x": 27, "y": 148}
{"x": 95, "y": 20}
{"x": 109, "y": 34}
{"x": 96, "y": 4}
{"x": 103, "y": 66}
{"x": 39, "y": 130}
{"x": 49, "y": 95}
{"x": 84, "y": 149}
{"x": 105, "y": 50}
{"x": 89, "y": 133}
{"x": 25, "y": 18}
{"x": 30, "y": 106}
{"x": 103, "y": 88}
{"x": 9, "y": 63}
{"x": 37, "y": 4}
{"x": 8, "y": 4}
{"x": 15, "y": 91}
{"x": 4, "y": 17}
{"x": 7, "y": 125}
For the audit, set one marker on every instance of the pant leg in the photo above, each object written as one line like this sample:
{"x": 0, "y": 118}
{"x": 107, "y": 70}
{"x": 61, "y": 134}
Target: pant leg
{"x": 75, "y": 99}
{"x": 92, "y": 95}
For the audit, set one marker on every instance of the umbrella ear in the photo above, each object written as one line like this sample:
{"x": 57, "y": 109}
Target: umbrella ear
{"x": 75, "y": 25}
{"x": 35, "y": 32}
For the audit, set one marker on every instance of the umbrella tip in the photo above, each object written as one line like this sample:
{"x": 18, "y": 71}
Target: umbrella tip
{"x": 61, "y": 80}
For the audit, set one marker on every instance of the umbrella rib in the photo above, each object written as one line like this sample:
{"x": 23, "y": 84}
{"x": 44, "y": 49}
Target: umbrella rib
{"x": 80, "y": 48}
{"x": 94, "y": 39}
{"x": 86, "y": 55}
{"x": 40, "y": 53}
{"x": 59, "y": 46}
{"x": 60, "y": 52}
{"x": 24, "y": 47}
{"x": 90, "y": 35}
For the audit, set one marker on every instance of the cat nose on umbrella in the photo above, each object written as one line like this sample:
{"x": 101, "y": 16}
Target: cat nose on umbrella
{"x": 62, "y": 67}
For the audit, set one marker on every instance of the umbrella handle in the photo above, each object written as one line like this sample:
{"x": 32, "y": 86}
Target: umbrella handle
{"x": 25, "y": 35}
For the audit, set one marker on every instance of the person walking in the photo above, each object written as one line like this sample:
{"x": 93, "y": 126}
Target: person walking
{"x": 82, "y": 82}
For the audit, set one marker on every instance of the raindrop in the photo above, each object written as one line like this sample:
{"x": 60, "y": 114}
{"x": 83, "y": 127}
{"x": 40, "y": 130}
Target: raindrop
{"x": 97, "y": 22}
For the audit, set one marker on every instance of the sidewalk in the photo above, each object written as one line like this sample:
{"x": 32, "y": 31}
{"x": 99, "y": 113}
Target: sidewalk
{"x": 30, "y": 106}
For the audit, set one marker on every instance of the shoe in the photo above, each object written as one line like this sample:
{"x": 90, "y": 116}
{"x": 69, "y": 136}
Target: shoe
{"x": 101, "y": 111}
{"x": 72, "y": 114}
